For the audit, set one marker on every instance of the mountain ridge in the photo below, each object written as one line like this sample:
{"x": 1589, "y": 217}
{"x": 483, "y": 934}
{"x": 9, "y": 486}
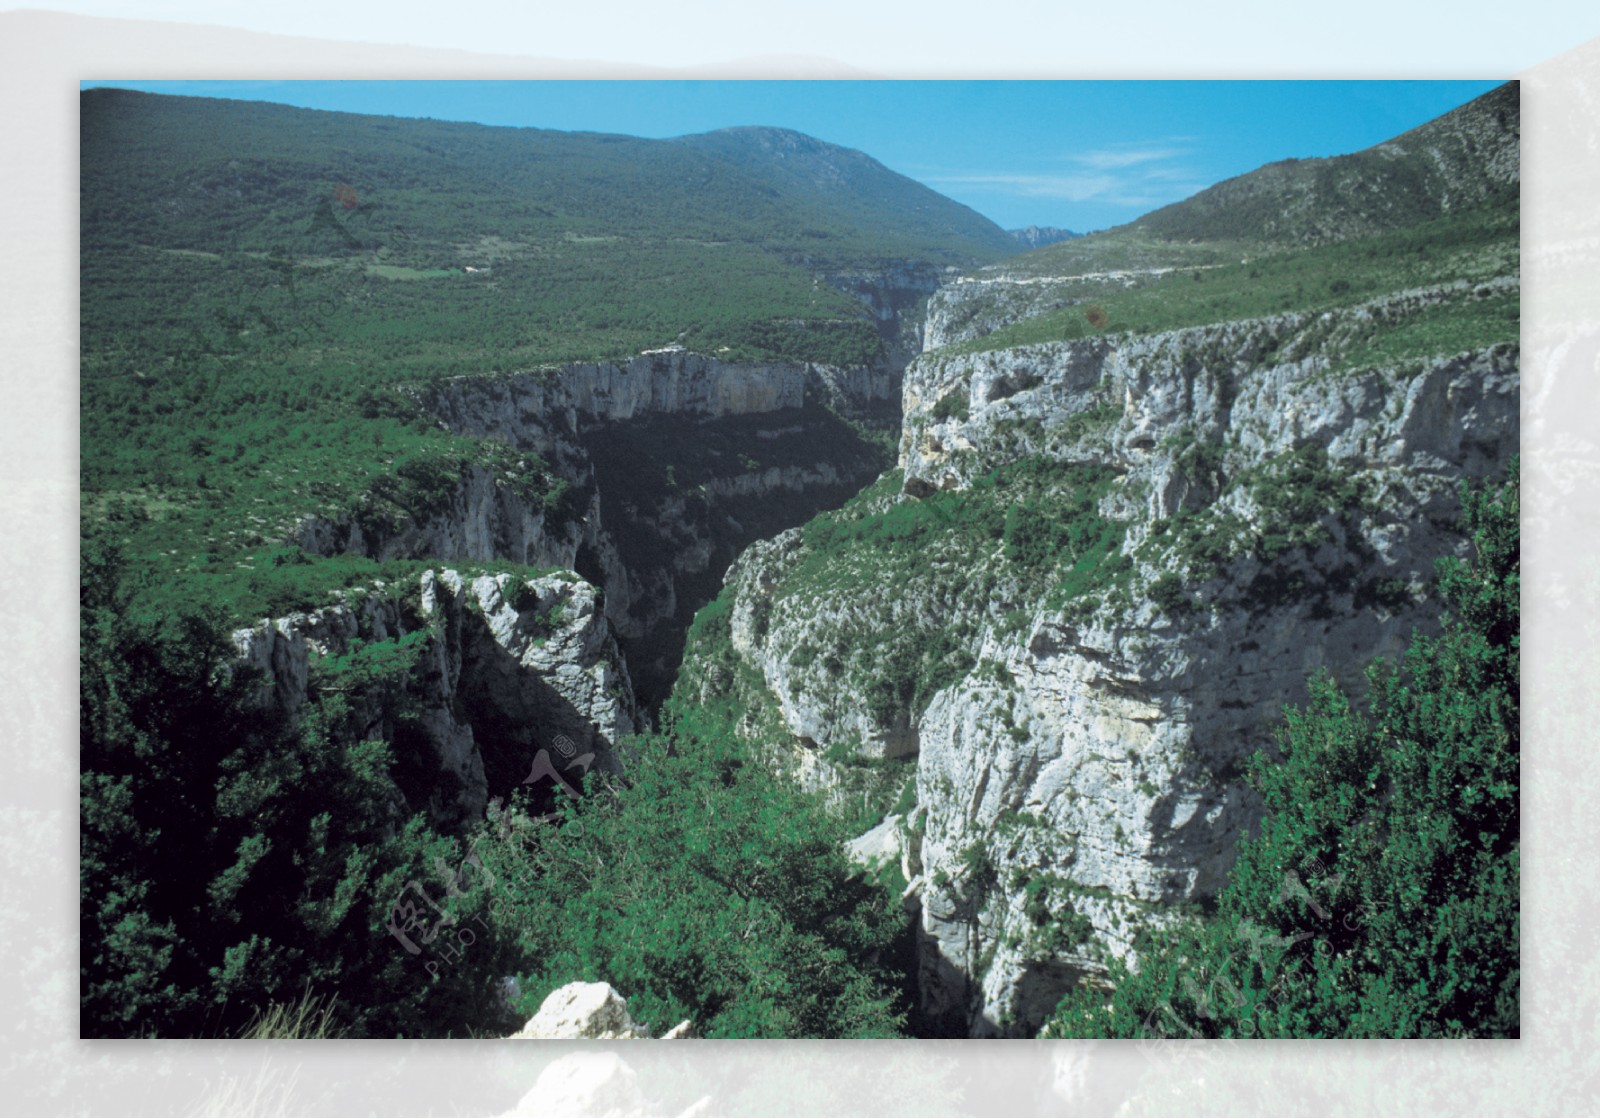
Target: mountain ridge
{"x": 541, "y": 181}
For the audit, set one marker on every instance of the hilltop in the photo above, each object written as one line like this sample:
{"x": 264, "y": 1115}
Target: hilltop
{"x": 1440, "y": 203}
{"x": 266, "y": 292}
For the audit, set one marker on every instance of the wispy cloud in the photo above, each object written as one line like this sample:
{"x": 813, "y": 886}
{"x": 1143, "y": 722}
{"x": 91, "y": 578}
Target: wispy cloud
{"x": 1108, "y": 159}
{"x": 1074, "y": 188}
{"x": 1116, "y": 190}
{"x": 1137, "y": 175}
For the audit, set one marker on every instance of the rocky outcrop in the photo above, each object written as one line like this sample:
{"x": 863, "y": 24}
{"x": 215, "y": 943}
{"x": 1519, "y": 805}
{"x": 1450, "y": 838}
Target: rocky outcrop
{"x": 589, "y": 1081}
{"x": 1266, "y": 509}
{"x": 593, "y": 1011}
{"x": 1123, "y": 791}
{"x": 647, "y": 476}
{"x": 493, "y": 670}
{"x": 481, "y": 518}
{"x": 978, "y": 305}
{"x": 896, "y": 296}
{"x": 1038, "y": 236}
{"x": 680, "y": 460}
{"x": 545, "y": 411}
{"x": 1268, "y": 385}
{"x": 871, "y": 395}
{"x": 536, "y": 410}
{"x": 539, "y": 654}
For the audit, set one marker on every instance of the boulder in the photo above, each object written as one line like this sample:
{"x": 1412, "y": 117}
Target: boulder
{"x": 583, "y": 1010}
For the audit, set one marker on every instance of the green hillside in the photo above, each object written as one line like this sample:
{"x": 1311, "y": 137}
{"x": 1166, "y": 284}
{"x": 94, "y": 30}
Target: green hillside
{"x": 858, "y": 190}
{"x": 201, "y": 173}
{"x": 258, "y": 279}
{"x": 1437, "y": 205}
{"x": 1453, "y": 163}
{"x": 1467, "y": 249}
{"x": 1466, "y": 159}
{"x": 228, "y": 225}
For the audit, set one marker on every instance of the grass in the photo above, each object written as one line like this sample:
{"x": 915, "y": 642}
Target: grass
{"x": 397, "y": 272}
{"x": 1472, "y": 247}
{"x": 1466, "y": 321}
{"x": 219, "y": 409}
{"x": 953, "y": 406}
{"x": 311, "y": 1018}
{"x": 1125, "y": 249}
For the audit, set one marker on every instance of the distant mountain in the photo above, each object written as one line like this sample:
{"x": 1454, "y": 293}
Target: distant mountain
{"x": 1452, "y": 163}
{"x": 1439, "y": 203}
{"x": 1464, "y": 161}
{"x": 1038, "y": 236}
{"x": 847, "y": 182}
{"x": 211, "y": 174}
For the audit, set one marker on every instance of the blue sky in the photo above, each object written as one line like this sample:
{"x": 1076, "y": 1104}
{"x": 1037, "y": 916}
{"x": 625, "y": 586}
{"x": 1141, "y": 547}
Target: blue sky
{"x": 1080, "y": 155}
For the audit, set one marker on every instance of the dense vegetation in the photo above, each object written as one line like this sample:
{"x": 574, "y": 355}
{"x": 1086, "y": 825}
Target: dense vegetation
{"x": 230, "y": 860}
{"x": 263, "y": 288}
{"x": 1380, "y": 898}
{"x": 225, "y": 174}
{"x": 704, "y": 885}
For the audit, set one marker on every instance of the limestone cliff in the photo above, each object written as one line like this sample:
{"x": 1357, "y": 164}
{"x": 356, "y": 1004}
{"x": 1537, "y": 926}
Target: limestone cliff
{"x": 1129, "y": 551}
{"x": 493, "y": 670}
{"x": 672, "y": 462}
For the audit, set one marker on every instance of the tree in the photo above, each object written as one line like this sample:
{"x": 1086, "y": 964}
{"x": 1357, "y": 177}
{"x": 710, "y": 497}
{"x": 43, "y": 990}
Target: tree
{"x": 1380, "y": 898}
{"x": 231, "y": 861}
{"x": 704, "y": 886}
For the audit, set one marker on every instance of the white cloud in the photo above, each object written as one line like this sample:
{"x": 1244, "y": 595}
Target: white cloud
{"x": 1074, "y": 188}
{"x": 1139, "y": 175}
{"x": 1118, "y": 190}
{"x": 1108, "y": 159}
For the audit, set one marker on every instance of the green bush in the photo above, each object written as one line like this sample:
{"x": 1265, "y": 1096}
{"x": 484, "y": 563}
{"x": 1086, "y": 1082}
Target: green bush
{"x": 1167, "y": 592}
{"x": 952, "y": 406}
{"x": 1380, "y": 898}
{"x": 230, "y": 862}
{"x": 705, "y": 887}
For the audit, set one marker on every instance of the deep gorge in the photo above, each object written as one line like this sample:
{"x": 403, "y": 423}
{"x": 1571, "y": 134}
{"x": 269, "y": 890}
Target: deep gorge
{"x": 906, "y": 636}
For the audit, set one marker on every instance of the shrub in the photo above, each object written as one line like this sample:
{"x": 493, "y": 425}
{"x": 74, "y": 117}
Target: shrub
{"x": 952, "y": 406}
{"x": 1168, "y": 593}
{"x": 1380, "y": 897}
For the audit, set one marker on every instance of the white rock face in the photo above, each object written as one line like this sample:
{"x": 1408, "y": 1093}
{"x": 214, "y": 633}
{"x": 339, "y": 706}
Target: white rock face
{"x": 1123, "y": 781}
{"x": 482, "y": 521}
{"x": 1222, "y": 382}
{"x": 1086, "y": 774}
{"x": 536, "y": 410}
{"x": 281, "y": 651}
{"x": 582, "y": 1010}
{"x": 543, "y": 657}
{"x": 877, "y": 846}
{"x": 537, "y": 662}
